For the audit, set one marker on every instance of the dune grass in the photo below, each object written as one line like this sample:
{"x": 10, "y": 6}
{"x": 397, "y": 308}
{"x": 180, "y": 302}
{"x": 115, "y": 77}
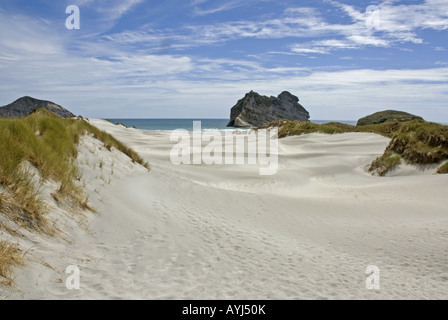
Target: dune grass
{"x": 293, "y": 128}
{"x": 443, "y": 169}
{"x": 108, "y": 140}
{"x": 414, "y": 142}
{"x": 385, "y": 163}
{"x": 10, "y": 256}
{"x": 49, "y": 143}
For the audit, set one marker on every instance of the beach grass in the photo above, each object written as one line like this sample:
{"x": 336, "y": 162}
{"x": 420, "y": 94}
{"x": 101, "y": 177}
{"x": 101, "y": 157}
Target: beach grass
{"x": 413, "y": 142}
{"x": 292, "y": 128}
{"x": 48, "y": 143}
{"x": 10, "y": 256}
{"x": 108, "y": 140}
{"x": 385, "y": 163}
{"x": 44, "y": 142}
{"x": 443, "y": 169}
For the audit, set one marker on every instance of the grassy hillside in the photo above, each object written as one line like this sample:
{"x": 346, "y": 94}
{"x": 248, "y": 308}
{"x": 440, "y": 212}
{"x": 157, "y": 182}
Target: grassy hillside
{"x": 387, "y": 116}
{"x": 414, "y": 142}
{"x": 49, "y": 143}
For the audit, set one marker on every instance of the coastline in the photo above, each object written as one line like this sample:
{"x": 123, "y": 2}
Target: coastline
{"x": 224, "y": 232}
{"x": 167, "y": 125}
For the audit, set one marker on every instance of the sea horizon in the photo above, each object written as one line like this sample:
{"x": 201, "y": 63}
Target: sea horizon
{"x": 169, "y": 124}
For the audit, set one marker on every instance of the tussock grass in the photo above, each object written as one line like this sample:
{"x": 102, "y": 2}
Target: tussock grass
{"x": 10, "y": 256}
{"x": 49, "y": 143}
{"x": 293, "y": 128}
{"x": 385, "y": 163}
{"x": 443, "y": 169}
{"x": 303, "y": 127}
{"x": 414, "y": 142}
{"x": 108, "y": 140}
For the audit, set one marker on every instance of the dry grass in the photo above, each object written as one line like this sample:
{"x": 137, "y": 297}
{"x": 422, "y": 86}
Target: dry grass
{"x": 10, "y": 256}
{"x": 443, "y": 169}
{"x": 82, "y": 127}
{"x": 49, "y": 144}
{"x": 385, "y": 163}
{"x": 415, "y": 142}
{"x": 293, "y": 128}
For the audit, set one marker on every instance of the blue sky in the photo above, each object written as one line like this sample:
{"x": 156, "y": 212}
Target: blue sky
{"x": 196, "y": 58}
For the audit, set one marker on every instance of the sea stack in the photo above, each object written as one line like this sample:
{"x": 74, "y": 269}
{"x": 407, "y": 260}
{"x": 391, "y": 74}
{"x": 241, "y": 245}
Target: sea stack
{"x": 255, "y": 110}
{"x": 25, "y": 105}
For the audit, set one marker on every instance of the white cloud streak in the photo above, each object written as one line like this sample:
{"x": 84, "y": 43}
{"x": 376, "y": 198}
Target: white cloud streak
{"x": 399, "y": 24}
{"x": 108, "y": 78}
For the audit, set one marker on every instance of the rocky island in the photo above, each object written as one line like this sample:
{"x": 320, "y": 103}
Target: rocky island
{"x": 255, "y": 110}
{"x": 25, "y": 105}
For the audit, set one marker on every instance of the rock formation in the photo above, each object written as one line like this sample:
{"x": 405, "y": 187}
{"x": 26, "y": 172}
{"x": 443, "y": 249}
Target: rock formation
{"x": 387, "y": 116}
{"x": 255, "y": 110}
{"x": 25, "y": 105}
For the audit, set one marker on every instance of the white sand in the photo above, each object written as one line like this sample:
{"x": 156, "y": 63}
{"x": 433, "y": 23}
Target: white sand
{"x": 224, "y": 232}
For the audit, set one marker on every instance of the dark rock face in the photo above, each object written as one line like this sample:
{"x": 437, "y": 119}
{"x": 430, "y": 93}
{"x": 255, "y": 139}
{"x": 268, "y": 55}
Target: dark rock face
{"x": 387, "y": 116}
{"x": 25, "y": 105}
{"x": 255, "y": 110}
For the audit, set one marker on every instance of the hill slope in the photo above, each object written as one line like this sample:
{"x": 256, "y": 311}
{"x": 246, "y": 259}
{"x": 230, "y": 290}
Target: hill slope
{"x": 387, "y": 116}
{"x": 25, "y": 105}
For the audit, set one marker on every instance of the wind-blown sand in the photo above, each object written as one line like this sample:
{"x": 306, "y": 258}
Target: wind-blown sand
{"x": 225, "y": 232}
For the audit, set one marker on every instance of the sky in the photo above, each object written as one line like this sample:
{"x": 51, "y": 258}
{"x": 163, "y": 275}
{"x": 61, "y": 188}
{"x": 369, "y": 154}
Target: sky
{"x": 195, "y": 58}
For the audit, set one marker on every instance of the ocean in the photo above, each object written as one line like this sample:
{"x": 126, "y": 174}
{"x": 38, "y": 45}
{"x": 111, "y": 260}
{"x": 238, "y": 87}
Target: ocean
{"x": 187, "y": 124}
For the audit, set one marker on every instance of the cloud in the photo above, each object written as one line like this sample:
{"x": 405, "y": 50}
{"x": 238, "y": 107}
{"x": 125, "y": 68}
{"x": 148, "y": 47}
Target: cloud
{"x": 228, "y": 5}
{"x": 104, "y": 14}
{"x": 23, "y": 35}
{"x": 399, "y": 24}
{"x": 118, "y": 8}
{"x": 327, "y": 46}
{"x": 198, "y": 2}
{"x": 296, "y": 22}
{"x": 124, "y": 75}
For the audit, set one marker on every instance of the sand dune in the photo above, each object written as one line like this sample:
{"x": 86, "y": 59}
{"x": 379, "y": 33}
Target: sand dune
{"x": 225, "y": 232}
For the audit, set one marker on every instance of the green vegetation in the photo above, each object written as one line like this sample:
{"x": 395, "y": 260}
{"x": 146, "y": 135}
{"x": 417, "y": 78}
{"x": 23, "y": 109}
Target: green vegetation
{"x": 385, "y": 163}
{"x": 387, "y": 116}
{"x": 49, "y": 143}
{"x": 415, "y": 142}
{"x": 297, "y": 128}
{"x": 420, "y": 142}
{"x": 292, "y": 128}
